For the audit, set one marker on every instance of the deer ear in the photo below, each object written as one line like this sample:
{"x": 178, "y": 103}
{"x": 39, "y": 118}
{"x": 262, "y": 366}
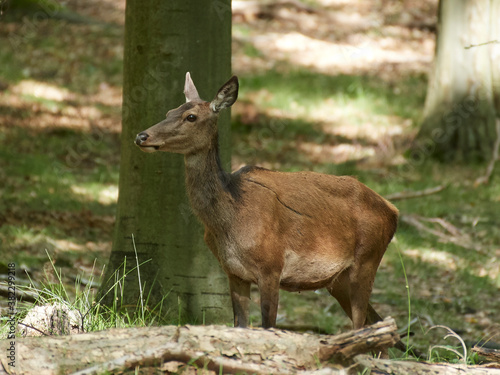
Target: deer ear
{"x": 226, "y": 96}
{"x": 190, "y": 90}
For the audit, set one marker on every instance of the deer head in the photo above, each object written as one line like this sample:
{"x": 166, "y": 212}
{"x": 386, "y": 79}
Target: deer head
{"x": 191, "y": 127}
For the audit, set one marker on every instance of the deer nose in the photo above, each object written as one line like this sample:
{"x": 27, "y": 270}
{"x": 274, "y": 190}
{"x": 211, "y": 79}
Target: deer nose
{"x": 141, "y": 137}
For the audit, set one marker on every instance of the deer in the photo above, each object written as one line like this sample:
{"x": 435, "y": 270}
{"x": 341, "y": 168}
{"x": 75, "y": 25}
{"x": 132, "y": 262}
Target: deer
{"x": 294, "y": 231}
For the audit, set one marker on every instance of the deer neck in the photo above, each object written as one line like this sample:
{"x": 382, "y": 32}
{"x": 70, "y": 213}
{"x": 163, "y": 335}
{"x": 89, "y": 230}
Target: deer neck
{"x": 207, "y": 187}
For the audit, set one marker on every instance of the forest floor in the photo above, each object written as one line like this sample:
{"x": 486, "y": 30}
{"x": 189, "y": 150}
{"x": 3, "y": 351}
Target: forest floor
{"x": 333, "y": 86}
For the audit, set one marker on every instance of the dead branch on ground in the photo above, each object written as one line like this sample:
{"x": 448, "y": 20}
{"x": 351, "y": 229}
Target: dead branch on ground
{"x": 451, "y": 234}
{"x": 19, "y": 294}
{"x": 385, "y": 366}
{"x": 214, "y": 347}
{"x": 415, "y": 194}
{"x": 491, "y": 355}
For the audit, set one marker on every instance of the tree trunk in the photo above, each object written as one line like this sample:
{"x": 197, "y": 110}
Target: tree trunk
{"x": 459, "y": 113}
{"x": 495, "y": 52}
{"x": 164, "y": 40}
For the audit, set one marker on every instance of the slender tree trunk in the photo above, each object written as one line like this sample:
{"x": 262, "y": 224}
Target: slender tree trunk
{"x": 164, "y": 40}
{"x": 495, "y": 52}
{"x": 459, "y": 114}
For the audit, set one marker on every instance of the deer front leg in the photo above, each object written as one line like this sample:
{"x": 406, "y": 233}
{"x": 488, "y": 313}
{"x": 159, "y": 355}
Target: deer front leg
{"x": 240, "y": 298}
{"x": 269, "y": 287}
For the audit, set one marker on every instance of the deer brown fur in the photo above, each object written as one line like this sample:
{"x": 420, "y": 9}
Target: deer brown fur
{"x": 294, "y": 231}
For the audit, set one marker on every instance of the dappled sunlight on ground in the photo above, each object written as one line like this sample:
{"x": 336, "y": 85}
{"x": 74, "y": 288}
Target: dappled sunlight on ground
{"x": 106, "y": 195}
{"x": 343, "y": 37}
{"x": 339, "y": 153}
{"x": 386, "y": 41}
{"x": 57, "y": 106}
{"x": 110, "y": 11}
{"x": 385, "y": 55}
{"x": 443, "y": 259}
{"x": 41, "y": 90}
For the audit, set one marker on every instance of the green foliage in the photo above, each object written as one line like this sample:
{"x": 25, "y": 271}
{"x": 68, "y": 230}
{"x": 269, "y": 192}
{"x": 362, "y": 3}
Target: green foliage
{"x": 81, "y": 297}
{"x": 307, "y": 89}
{"x": 35, "y": 5}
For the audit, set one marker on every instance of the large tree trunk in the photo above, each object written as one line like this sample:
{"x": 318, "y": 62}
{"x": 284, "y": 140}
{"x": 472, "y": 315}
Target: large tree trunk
{"x": 459, "y": 114}
{"x": 164, "y": 40}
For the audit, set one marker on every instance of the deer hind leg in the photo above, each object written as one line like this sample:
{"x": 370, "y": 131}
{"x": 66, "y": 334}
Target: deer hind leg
{"x": 340, "y": 290}
{"x": 361, "y": 278}
{"x": 352, "y": 288}
{"x": 240, "y": 298}
{"x": 372, "y": 316}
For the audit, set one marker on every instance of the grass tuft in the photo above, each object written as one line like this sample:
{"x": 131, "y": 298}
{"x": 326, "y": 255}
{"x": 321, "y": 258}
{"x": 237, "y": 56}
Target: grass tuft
{"x": 94, "y": 315}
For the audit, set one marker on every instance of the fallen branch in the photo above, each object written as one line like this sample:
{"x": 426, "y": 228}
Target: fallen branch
{"x": 220, "y": 348}
{"x": 491, "y": 355}
{"x": 415, "y": 194}
{"x": 19, "y": 294}
{"x": 381, "y": 366}
{"x": 452, "y": 235}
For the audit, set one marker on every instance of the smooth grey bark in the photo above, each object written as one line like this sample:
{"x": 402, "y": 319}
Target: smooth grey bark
{"x": 164, "y": 40}
{"x": 459, "y": 113}
{"x": 495, "y": 52}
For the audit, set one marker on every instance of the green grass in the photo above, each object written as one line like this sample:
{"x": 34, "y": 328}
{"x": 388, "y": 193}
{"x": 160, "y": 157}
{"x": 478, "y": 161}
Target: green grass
{"x": 81, "y": 297}
{"x": 304, "y": 90}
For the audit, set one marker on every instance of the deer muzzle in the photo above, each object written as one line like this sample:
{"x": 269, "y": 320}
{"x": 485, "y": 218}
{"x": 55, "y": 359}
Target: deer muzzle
{"x": 141, "y": 140}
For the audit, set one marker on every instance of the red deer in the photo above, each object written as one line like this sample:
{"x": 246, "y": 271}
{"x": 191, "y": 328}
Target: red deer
{"x": 294, "y": 231}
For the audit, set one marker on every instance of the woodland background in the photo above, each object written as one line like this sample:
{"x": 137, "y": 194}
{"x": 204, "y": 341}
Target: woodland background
{"x": 334, "y": 86}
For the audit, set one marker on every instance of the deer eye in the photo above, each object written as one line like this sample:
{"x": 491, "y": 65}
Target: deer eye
{"x": 191, "y": 118}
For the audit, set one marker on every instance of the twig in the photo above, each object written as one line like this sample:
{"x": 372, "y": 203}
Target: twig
{"x": 489, "y": 170}
{"x": 33, "y": 328}
{"x": 482, "y": 44}
{"x": 19, "y": 293}
{"x": 445, "y": 224}
{"x": 455, "y": 236}
{"x": 415, "y": 194}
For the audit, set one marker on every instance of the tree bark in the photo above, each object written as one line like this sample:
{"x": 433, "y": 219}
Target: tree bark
{"x": 235, "y": 350}
{"x": 459, "y": 113}
{"x": 495, "y": 52}
{"x": 164, "y": 40}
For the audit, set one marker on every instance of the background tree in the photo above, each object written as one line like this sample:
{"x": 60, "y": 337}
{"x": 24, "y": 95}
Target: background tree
{"x": 164, "y": 40}
{"x": 459, "y": 114}
{"x": 495, "y": 52}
